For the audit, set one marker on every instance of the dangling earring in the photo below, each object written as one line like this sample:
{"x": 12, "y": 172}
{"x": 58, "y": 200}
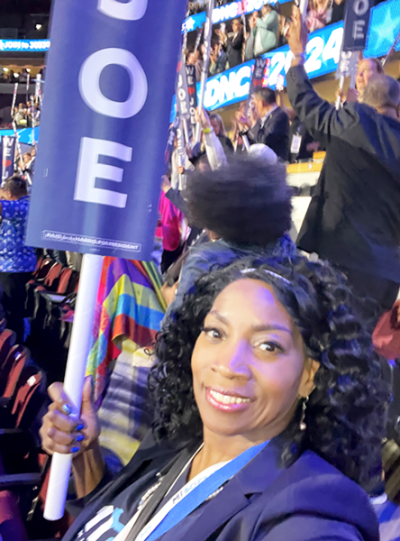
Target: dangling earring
{"x": 303, "y": 425}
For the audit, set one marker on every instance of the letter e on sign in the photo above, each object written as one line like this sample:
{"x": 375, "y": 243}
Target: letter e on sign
{"x": 358, "y": 29}
{"x": 127, "y": 11}
{"x": 89, "y": 169}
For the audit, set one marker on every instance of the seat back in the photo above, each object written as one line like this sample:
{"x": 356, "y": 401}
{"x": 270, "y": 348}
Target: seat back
{"x": 13, "y": 367}
{"x": 73, "y": 283}
{"x": 46, "y": 265}
{"x": 51, "y": 280}
{"x": 39, "y": 264}
{"x": 29, "y": 397}
{"x": 7, "y": 341}
{"x": 65, "y": 278}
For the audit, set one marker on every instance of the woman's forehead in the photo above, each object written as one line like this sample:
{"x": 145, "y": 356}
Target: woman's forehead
{"x": 250, "y": 299}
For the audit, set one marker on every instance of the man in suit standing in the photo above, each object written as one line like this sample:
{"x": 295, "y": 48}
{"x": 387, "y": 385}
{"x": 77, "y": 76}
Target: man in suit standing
{"x": 354, "y": 217}
{"x": 233, "y": 44}
{"x": 272, "y": 127}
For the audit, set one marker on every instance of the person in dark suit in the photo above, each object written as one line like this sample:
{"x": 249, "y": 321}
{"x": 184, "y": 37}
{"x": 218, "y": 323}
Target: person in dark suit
{"x": 354, "y": 217}
{"x": 233, "y": 44}
{"x": 272, "y": 127}
{"x": 302, "y": 145}
{"x": 269, "y": 417}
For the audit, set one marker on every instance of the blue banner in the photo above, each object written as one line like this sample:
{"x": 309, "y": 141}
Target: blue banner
{"x": 356, "y": 24}
{"x": 24, "y": 45}
{"x": 323, "y": 53}
{"x": 7, "y": 157}
{"x": 101, "y": 155}
{"x": 27, "y": 136}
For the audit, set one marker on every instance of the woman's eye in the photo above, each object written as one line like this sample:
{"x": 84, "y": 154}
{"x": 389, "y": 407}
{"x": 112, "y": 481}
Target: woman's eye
{"x": 271, "y": 347}
{"x": 215, "y": 334}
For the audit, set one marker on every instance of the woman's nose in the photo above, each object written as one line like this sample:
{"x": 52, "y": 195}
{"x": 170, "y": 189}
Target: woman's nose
{"x": 234, "y": 361}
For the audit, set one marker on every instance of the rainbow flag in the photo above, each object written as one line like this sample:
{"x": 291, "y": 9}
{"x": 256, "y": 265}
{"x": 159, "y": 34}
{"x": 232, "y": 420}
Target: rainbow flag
{"x": 130, "y": 306}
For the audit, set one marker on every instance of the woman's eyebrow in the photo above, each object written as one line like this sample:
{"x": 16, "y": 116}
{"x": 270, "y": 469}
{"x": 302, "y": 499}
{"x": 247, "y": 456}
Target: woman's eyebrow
{"x": 219, "y": 316}
{"x": 272, "y": 327}
{"x": 255, "y": 328}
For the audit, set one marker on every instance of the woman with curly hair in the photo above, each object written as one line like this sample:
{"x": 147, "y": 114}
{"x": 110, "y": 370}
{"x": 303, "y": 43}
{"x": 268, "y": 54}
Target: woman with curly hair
{"x": 269, "y": 414}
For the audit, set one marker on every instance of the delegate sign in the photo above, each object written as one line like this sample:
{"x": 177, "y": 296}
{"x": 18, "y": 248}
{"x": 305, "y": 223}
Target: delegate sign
{"x": 109, "y": 86}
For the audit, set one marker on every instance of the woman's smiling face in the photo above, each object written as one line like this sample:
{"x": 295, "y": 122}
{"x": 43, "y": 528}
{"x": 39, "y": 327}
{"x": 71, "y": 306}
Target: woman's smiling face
{"x": 249, "y": 367}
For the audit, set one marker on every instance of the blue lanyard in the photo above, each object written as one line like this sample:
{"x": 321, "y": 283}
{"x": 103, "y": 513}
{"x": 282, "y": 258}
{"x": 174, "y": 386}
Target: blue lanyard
{"x": 202, "y": 492}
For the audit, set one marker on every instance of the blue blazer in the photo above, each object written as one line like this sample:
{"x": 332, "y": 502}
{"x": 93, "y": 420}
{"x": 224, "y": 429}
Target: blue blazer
{"x": 308, "y": 501}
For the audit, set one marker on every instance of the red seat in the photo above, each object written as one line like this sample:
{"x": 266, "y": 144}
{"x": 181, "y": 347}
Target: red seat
{"x": 23, "y": 392}
{"x": 7, "y": 341}
{"x": 38, "y": 278}
{"x": 43, "y": 266}
{"x": 39, "y": 264}
{"x": 68, "y": 281}
{"x": 12, "y": 370}
{"x": 30, "y": 396}
{"x": 52, "y": 279}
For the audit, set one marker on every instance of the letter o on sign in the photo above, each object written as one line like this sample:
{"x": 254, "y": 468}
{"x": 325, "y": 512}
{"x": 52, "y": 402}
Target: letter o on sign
{"x": 89, "y": 83}
{"x": 361, "y": 7}
{"x": 128, "y": 11}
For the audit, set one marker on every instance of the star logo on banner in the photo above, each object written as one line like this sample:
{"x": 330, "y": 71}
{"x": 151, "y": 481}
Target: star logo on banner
{"x": 190, "y": 23}
{"x": 383, "y": 31}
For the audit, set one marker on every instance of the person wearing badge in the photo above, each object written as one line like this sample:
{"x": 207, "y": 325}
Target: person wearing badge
{"x": 269, "y": 415}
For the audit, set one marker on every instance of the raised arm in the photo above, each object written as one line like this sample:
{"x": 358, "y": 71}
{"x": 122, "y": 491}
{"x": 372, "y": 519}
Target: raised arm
{"x": 321, "y": 118}
{"x": 215, "y": 153}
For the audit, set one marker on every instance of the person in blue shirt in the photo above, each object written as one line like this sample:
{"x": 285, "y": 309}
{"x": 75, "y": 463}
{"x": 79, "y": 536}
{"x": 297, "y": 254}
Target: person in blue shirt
{"x": 17, "y": 261}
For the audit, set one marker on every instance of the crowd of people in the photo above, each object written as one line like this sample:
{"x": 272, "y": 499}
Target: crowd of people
{"x": 9, "y": 76}
{"x": 197, "y": 6}
{"x": 234, "y": 43}
{"x": 27, "y": 115}
{"x": 266, "y": 408}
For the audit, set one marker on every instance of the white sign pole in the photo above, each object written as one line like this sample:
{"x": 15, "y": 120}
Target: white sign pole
{"x": 206, "y": 59}
{"x": 339, "y": 96}
{"x": 75, "y": 377}
{"x": 14, "y": 100}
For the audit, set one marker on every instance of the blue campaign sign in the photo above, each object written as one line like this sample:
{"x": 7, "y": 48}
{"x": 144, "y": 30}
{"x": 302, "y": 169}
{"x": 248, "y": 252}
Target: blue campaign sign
{"x": 24, "y": 45}
{"x": 323, "y": 52}
{"x": 356, "y": 24}
{"x": 104, "y": 126}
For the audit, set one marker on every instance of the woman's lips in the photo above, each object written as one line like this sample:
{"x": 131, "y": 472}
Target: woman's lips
{"x": 226, "y": 400}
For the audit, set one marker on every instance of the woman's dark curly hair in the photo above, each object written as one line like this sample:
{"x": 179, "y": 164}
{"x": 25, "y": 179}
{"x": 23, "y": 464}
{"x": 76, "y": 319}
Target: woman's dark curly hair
{"x": 246, "y": 201}
{"x": 345, "y": 413}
